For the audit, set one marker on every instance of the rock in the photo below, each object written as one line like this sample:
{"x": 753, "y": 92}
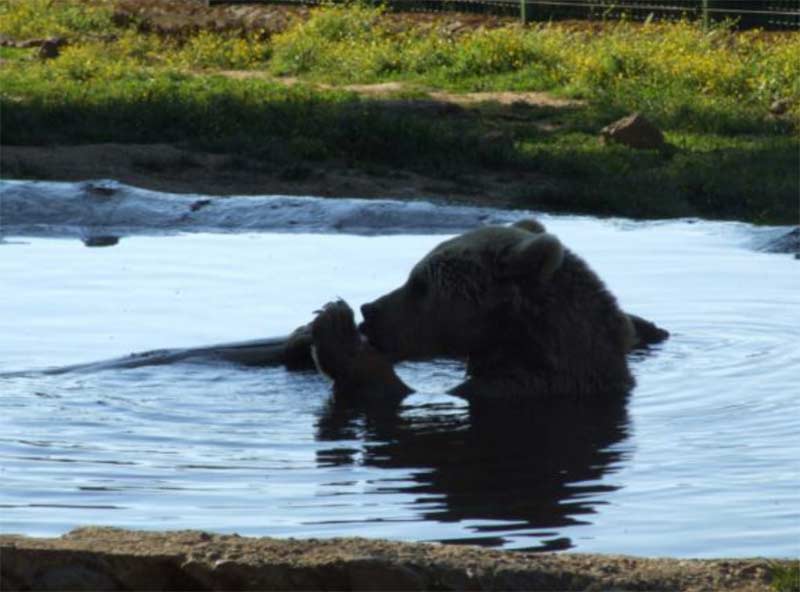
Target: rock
{"x": 100, "y": 240}
{"x": 51, "y": 48}
{"x": 780, "y": 106}
{"x": 635, "y": 131}
{"x": 101, "y": 190}
{"x": 454, "y": 27}
{"x": 199, "y": 204}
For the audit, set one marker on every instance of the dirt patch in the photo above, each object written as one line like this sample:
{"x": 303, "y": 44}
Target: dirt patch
{"x": 163, "y": 167}
{"x": 111, "y": 559}
{"x": 380, "y": 89}
{"x": 397, "y": 88}
{"x": 509, "y": 98}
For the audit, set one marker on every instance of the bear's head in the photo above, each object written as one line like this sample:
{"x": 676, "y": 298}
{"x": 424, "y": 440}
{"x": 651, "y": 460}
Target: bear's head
{"x": 450, "y": 303}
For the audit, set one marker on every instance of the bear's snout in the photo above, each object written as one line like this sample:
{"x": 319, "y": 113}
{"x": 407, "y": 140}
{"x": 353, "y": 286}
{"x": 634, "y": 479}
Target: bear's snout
{"x": 372, "y": 328}
{"x": 368, "y": 311}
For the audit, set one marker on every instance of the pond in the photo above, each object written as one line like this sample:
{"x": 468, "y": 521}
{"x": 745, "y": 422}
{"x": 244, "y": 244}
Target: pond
{"x": 704, "y": 460}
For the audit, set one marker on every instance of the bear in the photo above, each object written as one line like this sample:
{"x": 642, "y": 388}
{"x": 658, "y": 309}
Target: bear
{"x": 530, "y": 318}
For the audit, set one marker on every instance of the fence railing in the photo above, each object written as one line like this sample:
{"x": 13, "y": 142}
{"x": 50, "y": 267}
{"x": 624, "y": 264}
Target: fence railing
{"x": 767, "y": 14}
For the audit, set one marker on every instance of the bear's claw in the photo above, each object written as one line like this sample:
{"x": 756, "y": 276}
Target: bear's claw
{"x": 335, "y": 337}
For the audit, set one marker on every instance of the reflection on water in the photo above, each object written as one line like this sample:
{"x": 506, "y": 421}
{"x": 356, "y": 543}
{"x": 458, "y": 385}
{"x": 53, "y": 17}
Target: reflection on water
{"x": 703, "y": 460}
{"x": 527, "y": 471}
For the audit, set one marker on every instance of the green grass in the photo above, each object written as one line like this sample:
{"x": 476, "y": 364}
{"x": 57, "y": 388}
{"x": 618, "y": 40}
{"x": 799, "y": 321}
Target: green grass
{"x": 24, "y": 19}
{"x": 786, "y": 578}
{"x": 255, "y": 117}
{"x": 13, "y": 53}
{"x": 682, "y": 76}
{"x": 710, "y": 91}
{"x": 748, "y": 177}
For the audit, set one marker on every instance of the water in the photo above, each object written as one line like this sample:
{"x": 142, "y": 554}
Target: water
{"x": 702, "y": 461}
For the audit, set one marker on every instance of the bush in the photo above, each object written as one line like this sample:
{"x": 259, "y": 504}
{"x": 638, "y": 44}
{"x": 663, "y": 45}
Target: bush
{"x": 25, "y": 19}
{"x": 341, "y": 42}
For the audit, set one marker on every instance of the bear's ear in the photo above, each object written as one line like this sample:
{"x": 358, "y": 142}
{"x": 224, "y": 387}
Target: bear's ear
{"x": 530, "y": 225}
{"x": 541, "y": 255}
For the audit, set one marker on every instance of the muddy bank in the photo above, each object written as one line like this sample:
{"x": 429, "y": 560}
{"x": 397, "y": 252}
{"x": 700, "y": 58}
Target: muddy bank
{"x": 106, "y": 208}
{"x": 163, "y": 167}
{"x": 112, "y": 559}
{"x": 102, "y": 211}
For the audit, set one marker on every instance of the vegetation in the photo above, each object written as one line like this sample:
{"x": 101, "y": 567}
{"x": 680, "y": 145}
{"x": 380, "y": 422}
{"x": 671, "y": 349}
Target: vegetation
{"x": 786, "y": 577}
{"x": 709, "y": 90}
{"x": 685, "y": 77}
{"x": 41, "y": 18}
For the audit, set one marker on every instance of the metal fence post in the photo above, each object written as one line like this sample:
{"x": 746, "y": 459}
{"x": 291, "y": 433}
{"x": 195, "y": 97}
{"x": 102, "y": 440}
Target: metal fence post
{"x": 704, "y": 8}
{"x": 523, "y": 11}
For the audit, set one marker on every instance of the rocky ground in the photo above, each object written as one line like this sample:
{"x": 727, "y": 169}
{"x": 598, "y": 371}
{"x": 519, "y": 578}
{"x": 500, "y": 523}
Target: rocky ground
{"x": 167, "y": 17}
{"x": 111, "y": 559}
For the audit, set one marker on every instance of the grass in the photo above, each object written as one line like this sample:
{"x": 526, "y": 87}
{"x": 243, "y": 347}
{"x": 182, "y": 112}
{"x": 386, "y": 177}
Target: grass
{"x": 709, "y": 90}
{"x": 786, "y": 578}
{"x": 734, "y": 177}
{"x": 254, "y": 117}
{"x": 41, "y": 18}
{"x": 683, "y": 76}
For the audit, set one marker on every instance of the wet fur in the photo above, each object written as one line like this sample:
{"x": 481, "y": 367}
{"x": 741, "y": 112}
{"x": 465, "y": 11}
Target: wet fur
{"x": 530, "y": 318}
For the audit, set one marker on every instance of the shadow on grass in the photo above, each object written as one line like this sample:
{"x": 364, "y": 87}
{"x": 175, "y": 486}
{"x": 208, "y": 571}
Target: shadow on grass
{"x": 746, "y": 177}
{"x": 757, "y": 184}
{"x": 753, "y": 177}
{"x": 270, "y": 122}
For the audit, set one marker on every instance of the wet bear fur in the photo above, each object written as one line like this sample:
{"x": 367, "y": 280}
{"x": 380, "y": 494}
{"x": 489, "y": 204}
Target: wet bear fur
{"x": 530, "y": 318}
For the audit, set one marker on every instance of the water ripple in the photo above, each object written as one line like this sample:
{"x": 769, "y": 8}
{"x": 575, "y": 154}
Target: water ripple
{"x": 702, "y": 461}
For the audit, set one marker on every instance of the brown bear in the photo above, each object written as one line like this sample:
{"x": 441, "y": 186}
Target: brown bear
{"x": 529, "y": 317}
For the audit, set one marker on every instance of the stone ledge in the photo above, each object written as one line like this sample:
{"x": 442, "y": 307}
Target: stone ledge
{"x": 114, "y": 559}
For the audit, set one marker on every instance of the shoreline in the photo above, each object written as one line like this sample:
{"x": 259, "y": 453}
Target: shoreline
{"x": 171, "y": 169}
{"x": 100, "y": 209}
{"x": 96, "y": 558}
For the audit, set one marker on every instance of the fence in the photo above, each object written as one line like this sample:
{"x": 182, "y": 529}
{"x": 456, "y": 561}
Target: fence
{"x": 767, "y": 14}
